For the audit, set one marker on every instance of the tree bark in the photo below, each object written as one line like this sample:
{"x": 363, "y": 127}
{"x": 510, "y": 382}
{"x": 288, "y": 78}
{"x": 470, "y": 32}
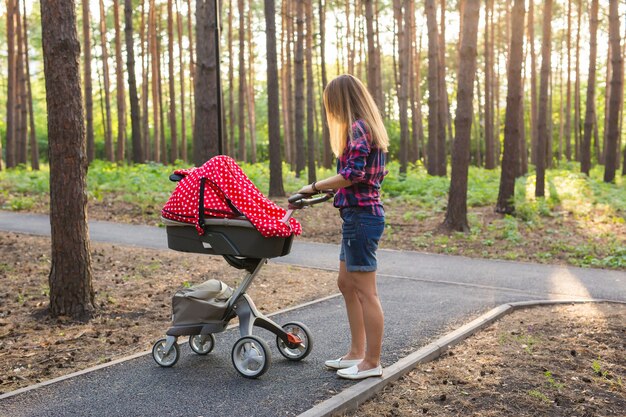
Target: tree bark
{"x": 172, "y": 83}
{"x": 11, "y": 85}
{"x": 490, "y": 162}
{"x": 70, "y": 278}
{"x": 568, "y": 100}
{"x": 403, "y": 81}
{"x": 617, "y": 61}
{"x": 433, "y": 87}
{"x": 156, "y": 119}
{"x": 206, "y": 133}
{"x": 34, "y": 147}
{"x": 231, "y": 83}
{"x": 577, "y": 118}
{"x": 328, "y": 153}
{"x": 512, "y": 136}
{"x": 21, "y": 111}
{"x": 108, "y": 131}
{"x": 310, "y": 94}
{"x": 533, "y": 82}
{"x": 299, "y": 89}
{"x": 145, "y": 85}
{"x": 91, "y": 151}
{"x": 135, "y": 116}
{"x": 456, "y": 213}
{"x": 250, "y": 89}
{"x": 585, "y": 151}
{"x": 242, "y": 83}
{"x": 273, "y": 119}
{"x": 121, "y": 95}
{"x": 542, "y": 126}
{"x": 444, "y": 117}
{"x": 182, "y": 77}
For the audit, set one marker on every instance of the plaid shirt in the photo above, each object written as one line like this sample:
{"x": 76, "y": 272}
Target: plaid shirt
{"x": 365, "y": 167}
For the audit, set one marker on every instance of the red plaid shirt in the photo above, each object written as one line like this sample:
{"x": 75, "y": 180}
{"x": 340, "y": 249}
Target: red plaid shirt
{"x": 364, "y": 165}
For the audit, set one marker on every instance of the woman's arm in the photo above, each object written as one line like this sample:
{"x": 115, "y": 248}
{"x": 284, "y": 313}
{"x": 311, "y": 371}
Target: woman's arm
{"x": 331, "y": 183}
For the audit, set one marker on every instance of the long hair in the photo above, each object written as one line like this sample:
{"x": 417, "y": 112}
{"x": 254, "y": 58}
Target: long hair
{"x": 347, "y": 100}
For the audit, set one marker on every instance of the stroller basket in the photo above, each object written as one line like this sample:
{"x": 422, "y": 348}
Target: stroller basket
{"x": 236, "y": 237}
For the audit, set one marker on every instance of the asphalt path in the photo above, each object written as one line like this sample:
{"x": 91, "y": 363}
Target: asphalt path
{"x": 423, "y": 296}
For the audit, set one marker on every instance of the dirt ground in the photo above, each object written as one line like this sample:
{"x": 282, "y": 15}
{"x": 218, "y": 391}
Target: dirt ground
{"x": 548, "y": 361}
{"x": 571, "y": 365}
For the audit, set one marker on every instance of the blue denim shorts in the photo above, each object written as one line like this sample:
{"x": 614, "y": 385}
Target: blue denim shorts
{"x": 361, "y": 231}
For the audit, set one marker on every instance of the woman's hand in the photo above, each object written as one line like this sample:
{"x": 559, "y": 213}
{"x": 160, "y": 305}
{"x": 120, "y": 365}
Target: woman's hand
{"x": 307, "y": 189}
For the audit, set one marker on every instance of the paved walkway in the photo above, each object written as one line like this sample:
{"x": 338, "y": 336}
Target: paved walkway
{"x": 423, "y": 297}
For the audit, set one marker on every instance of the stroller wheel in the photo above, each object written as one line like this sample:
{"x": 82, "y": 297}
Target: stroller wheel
{"x": 202, "y": 343}
{"x": 299, "y": 351}
{"x": 251, "y": 356}
{"x": 165, "y": 359}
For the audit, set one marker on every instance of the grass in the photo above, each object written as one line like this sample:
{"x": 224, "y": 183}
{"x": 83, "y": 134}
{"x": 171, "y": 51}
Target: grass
{"x": 580, "y": 220}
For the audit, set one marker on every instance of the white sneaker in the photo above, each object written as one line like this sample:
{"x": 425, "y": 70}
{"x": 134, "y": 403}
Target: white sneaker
{"x": 342, "y": 363}
{"x": 354, "y": 373}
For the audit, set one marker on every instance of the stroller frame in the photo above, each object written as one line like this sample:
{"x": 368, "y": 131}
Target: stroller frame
{"x": 250, "y": 355}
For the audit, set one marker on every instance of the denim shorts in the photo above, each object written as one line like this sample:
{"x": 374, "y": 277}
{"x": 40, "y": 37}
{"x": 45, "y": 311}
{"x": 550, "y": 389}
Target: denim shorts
{"x": 361, "y": 231}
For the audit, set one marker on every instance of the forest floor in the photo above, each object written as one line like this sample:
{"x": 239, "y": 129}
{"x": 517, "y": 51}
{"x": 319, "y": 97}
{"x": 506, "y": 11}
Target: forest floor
{"x": 566, "y": 360}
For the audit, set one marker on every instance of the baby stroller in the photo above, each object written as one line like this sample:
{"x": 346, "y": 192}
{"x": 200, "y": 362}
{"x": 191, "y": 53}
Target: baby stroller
{"x": 205, "y": 309}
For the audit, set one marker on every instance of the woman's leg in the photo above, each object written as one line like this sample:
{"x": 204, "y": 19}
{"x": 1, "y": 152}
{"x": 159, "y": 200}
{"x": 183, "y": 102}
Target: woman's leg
{"x": 348, "y": 289}
{"x": 372, "y": 316}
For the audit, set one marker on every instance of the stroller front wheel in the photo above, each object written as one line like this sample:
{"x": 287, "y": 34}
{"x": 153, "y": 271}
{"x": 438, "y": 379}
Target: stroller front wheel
{"x": 163, "y": 358}
{"x": 202, "y": 344}
{"x": 295, "y": 352}
{"x": 251, "y": 356}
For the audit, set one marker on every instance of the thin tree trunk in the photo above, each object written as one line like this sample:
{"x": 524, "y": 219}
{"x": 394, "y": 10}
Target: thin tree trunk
{"x": 242, "y": 83}
{"x": 21, "y": 111}
{"x": 145, "y": 61}
{"x": 11, "y": 85}
{"x": 192, "y": 64}
{"x": 91, "y": 151}
{"x": 601, "y": 148}
{"x": 135, "y": 117}
{"x": 585, "y": 152}
{"x": 512, "y": 136}
{"x": 490, "y": 162}
{"x": 172, "y": 83}
{"x": 328, "y": 153}
{"x": 433, "y": 87}
{"x": 121, "y": 95}
{"x": 299, "y": 89}
{"x": 611, "y": 150}
{"x": 156, "y": 122}
{"x": 403, "y": 82}
{"x": 577, "y": 118}
{"x": 231, "y": 83}
{"x": 444, "y": 119}
{"x": 162, "y": 110}
{"x": 310, "y": 94}
{"x": 182, "y": 77}
{"x": 415, "y": 96}
{"x": 533, "y": 82}
{"x": 542, "y": 126}
{"x": 250, "y": 89}
{"x": 34, "y": 147}
{"x": 456, "y": 213}
{"x": 108, "y": 131}
{"x": 568, "y": 100}
{"x": 273, "y": 119}
{"x": 70, "y": 279}
{"x": 285, "y": 76}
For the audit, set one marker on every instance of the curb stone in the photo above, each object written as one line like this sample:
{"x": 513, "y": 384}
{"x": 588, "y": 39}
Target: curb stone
{"x": 351, "y": 398}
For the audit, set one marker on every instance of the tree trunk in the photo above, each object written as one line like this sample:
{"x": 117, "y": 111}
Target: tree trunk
{"x": 273, "y": 119}
{"x": 585, "y": 151}
{"x": 403, "y": 35}
{"x": 577, "y": 118}
{"x": 192, "y": 64}
{"x": 182, "y": 77}
{"x": 415, "y": 91}
{"x": 310, "y": 94}
{"x": 533, "y": 82}
{"x": 542, "y": 126}
{"x": 328, "y": 153}
{"x": 286, "y": 77}
{"x": 617, "y": 61}
{"x": 108, "y": 131}
{"x": 21, "y": 111}
{"x": 159, "y": 38}
{"x": 145, "y": 62}
{"x": 250, "y": 89}
{"x": 231, "y": 83}
{"x": 91, "y": 151}
{"x": 135, "y": 116}
{"x": 433, "y": 87}
{"x": 444, "y": 119}
{"x": 121, "y": 95}
{"x": 172, "y": 83}
{"x": 207, "y": 133}
{"x": 70, "y": 278}
{"x": 490, "y": 162}
{"x": 156, "y": 122}
{"x": 11, "y": 85}
{"x": 568, "y": 100}
{"x": 242, "y": 83}
{"x": 456, "y": 213}
{"x": 34, "y": 147}
{"x": 512, "y": 136}
{"x": 299, "y": 88}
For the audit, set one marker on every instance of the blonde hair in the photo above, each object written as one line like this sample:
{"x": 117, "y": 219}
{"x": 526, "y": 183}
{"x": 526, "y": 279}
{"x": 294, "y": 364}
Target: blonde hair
{"x": 347, "y": 100}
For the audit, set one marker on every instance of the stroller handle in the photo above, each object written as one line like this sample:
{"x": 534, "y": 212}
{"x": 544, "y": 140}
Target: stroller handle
{"x": 298, "y": 201}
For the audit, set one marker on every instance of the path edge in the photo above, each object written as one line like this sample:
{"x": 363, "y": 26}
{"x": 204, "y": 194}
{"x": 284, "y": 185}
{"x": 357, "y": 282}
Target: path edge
{"x": 351, "y": 398}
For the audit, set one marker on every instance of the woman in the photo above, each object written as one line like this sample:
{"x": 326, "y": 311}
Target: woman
{"x": 359, "y": 140}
